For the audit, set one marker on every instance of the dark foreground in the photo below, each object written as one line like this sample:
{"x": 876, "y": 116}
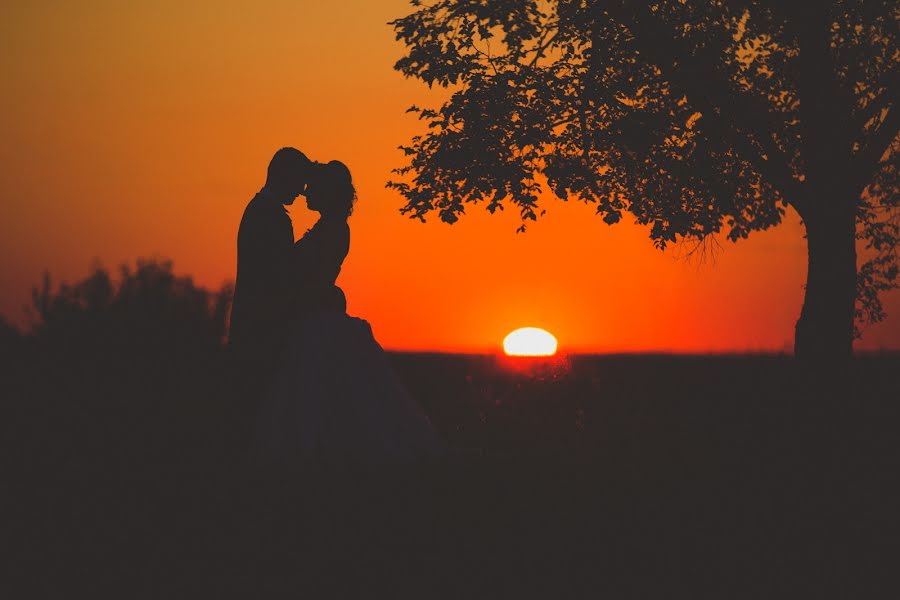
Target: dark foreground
{"x": 640, "y": 476}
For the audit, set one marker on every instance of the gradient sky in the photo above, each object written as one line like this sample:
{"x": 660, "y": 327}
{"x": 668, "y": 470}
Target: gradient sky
{"x": 135, "y": 130}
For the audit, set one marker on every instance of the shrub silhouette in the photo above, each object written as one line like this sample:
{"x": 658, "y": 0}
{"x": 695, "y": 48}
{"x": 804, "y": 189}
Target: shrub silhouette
{"x": 9, "y": 336}
{"x": 10, "y": 344}
{"x": 124, "y": 368}
{"x": 149, "y": 312}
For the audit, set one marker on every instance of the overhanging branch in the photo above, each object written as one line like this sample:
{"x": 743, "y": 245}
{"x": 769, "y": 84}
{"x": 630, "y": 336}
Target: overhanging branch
{"x": 876, "y": 105}
{"x": 868, "y": 160}
{"x": 700, "y": 80}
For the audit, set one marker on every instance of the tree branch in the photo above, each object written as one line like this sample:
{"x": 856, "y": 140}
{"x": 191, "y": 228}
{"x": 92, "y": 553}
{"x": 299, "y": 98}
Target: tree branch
{"x": 703, "y": 84}
{"x": 542, "y": 47}
{"x": 877, "y": 104}
{"x": 868, "y": 160}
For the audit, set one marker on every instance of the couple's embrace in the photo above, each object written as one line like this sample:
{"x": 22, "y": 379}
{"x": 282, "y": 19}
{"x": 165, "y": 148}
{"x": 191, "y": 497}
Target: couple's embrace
{"x": 315, "y": 383}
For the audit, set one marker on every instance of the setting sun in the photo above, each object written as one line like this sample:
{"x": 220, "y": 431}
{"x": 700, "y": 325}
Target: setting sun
{"x": 529, "y": 341}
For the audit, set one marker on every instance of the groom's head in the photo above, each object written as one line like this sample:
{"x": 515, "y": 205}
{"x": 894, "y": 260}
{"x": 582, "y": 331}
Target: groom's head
{"x": 287, "y": 176}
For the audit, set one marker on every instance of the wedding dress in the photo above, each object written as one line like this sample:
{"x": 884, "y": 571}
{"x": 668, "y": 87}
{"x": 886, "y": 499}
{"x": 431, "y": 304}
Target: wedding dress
{"x": 334, "y": 395}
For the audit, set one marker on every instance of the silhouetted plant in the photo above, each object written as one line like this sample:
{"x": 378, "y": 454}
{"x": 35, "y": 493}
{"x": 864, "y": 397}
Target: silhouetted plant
{"x": 698, "y": 118}
{"x": 149, "y": 307}
{"x": 130, "y": 368}
{"x": 10, "y": 338}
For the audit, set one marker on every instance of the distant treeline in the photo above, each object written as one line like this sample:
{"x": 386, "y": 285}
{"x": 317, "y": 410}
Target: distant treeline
{"x": 132, "y": 372}
{"x": 128, "y": 364}
{"x": 147, "y": 304}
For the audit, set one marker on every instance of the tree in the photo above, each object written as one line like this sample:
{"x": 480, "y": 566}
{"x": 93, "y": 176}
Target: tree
{"x": 148, "y": 313}
{"x": 698, "y": 118}
{"x": 124, "y": 368}
{"x": 10, "y": 339}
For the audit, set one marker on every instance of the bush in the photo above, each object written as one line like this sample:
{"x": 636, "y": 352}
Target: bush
{"x": 149, "y": 313}
{"x": 130, "y": 369}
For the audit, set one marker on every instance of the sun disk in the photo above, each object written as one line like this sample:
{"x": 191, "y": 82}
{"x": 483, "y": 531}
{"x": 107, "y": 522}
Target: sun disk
{"x": 529, "y": 341}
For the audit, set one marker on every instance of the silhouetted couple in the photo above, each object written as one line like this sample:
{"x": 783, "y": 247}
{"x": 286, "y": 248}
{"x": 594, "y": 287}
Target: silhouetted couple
{"x": 315, "y": 381}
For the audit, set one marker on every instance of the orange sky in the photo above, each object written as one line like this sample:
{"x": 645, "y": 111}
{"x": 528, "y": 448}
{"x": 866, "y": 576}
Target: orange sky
{"x": 143, "y": 130}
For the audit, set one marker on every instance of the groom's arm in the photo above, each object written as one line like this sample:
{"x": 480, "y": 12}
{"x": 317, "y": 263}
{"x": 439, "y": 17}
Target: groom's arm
{"x": 318, "y": 252}
{"x": 302, "y": 257}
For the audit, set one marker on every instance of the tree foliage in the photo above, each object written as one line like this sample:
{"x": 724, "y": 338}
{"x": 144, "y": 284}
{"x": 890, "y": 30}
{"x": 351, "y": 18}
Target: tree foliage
{"x": 148, "y": 312}
{"x": 698, "y": 118}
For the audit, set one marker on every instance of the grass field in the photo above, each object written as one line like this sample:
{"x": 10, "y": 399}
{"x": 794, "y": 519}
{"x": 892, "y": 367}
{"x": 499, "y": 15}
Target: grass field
{"x": 582, "y": 476}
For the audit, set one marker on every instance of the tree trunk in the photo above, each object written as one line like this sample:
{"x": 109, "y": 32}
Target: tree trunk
{"x": 824, "y": 333}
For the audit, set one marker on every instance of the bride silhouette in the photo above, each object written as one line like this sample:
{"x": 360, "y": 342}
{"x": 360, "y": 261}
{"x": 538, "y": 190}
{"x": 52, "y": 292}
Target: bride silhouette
{"x": 333, "y": 394}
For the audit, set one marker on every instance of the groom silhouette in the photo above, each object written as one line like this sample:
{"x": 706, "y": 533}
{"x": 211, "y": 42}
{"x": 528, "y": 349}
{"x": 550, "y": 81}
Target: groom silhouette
{"x": 263, "y": 290}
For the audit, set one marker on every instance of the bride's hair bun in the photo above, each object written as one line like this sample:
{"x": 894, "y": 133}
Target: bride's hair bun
{"x": 336, "y": 176}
